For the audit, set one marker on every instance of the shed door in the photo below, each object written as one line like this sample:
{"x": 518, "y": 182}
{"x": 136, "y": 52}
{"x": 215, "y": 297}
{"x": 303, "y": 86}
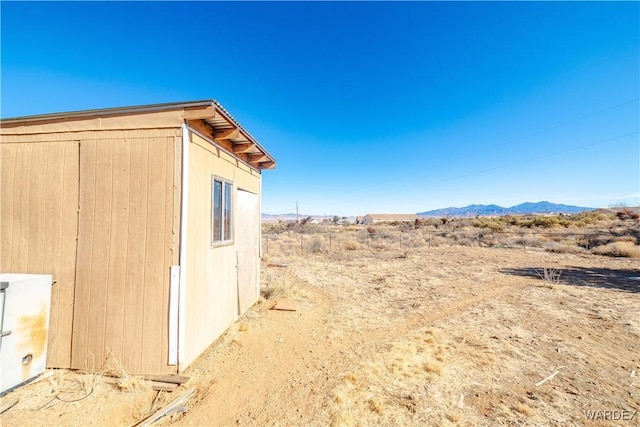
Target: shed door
{"x": 247, "y": 240}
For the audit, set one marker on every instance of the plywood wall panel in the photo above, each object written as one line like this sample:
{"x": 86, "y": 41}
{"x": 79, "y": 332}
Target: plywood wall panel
{"x": 62, "y": 212}
{"x": 82, "y": 302}
{"x": 38, "y": 227}
{"x": 8, "y": 156}
{"x": 126, "y": 244}
{"x": 134, "y": 291}
{"x": 118, "y": 254}
{"x": 20, "y": 228}
{"x": 101, "y": 242}
{"x": 156, "y": 275}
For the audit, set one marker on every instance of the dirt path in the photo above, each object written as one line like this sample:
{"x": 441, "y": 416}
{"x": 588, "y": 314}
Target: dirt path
{"x": 292, "y": 355}
{"x": 284, "y": 366}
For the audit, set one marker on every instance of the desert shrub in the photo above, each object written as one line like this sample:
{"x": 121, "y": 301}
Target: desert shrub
{"x": 490, "y": 223}
{"x": 624, "y": 213}
{"x": 517, "y": 220}
{"x": 561, "y": 248}
{"x": 317, "y": 245}
{"x": 486, "y": 238}
{"x": 631, "y": 239}
{"x": 371, "y": 230}
{"x": 351, "y": 245}
{"x": 437, "y": 241}
{"x": 584, "y": 219}
{"x": 545, "y": 221}
{"x": 527, "y": 240}
{"x": 465, "y": 241}
{"x": 377, "y": 244}
{"x": 404, "y": 226}
{"x": 272, "y": 227}
{"x": 429, "y": 222}
{"x": 618, "y": 249}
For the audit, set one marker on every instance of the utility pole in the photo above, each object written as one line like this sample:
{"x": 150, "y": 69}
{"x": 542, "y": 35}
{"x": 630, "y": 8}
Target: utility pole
{"x": 297, "y": 216}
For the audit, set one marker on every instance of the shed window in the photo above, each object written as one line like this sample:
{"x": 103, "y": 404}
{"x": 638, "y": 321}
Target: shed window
{"x": 222, "y": 211}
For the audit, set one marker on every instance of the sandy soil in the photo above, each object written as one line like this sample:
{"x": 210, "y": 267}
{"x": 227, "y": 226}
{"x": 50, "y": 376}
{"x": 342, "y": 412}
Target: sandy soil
{"x": 445, "y": 336}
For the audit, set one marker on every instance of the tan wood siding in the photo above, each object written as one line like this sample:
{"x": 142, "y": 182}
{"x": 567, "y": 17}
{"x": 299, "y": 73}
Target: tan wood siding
{"x": 125, "y": 249}
{"x": 38, "y": 227}
{"x": 149, "y": 120}
{"x": 211, "y": 279}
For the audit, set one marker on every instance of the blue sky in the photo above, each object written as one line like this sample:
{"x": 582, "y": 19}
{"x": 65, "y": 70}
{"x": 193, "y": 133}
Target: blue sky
{"x": 369, "y": 107}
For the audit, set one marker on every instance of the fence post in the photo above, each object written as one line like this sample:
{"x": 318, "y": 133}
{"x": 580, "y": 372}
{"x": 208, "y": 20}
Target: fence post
{"x": 267, "y": 238}
{"x": 429, "y": 239}
{"x": 330, "y": 238}
{"x": 301, "y": 247}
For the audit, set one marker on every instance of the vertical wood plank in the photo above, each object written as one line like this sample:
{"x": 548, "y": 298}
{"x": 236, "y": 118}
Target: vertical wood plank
{"x": 61, "y": 357}
{"x": 37, "y": 207}
{"x": 80, "y": 358}
{"x": 134, "y": 291}
{"x": 118, "y": 238}
{"x": 7, "y": 207}
{"x": 155, "y": 312}
{"x": 19, "y": 244}
{"x": 54, "y": 172}
{"x": 100, "y": 282}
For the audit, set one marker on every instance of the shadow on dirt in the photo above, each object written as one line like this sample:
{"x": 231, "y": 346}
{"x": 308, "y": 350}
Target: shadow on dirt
{"x": 625, "y": 280}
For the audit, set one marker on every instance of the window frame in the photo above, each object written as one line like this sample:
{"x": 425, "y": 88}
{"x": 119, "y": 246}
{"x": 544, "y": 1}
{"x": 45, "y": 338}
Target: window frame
{"x": 222, "y": 214}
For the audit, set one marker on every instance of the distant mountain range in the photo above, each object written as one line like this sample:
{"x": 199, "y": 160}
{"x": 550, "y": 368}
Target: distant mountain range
{"x": 467, "y": 211}
{"x": 495, "y": 210}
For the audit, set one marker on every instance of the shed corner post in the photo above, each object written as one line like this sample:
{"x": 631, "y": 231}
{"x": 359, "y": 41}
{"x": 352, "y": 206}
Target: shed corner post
{"x": 177, "y": 301}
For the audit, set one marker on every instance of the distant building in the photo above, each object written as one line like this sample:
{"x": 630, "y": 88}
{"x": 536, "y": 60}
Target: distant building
{"x": 380, "y": 218}
{"x": 359, "y": 220}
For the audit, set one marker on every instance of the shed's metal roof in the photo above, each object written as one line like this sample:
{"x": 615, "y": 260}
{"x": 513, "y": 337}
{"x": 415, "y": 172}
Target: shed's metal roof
{"x": 219, "y": 120}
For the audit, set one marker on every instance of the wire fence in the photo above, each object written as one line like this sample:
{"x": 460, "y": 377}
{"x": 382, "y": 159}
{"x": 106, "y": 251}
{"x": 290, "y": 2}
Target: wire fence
{"x": 323, "y": 241}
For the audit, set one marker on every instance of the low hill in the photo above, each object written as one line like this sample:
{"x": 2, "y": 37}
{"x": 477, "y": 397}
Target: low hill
{"x": 495, "y": 210}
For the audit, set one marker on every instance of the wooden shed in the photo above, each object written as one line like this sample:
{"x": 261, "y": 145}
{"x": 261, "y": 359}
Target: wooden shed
{"x": 148, "y": 219}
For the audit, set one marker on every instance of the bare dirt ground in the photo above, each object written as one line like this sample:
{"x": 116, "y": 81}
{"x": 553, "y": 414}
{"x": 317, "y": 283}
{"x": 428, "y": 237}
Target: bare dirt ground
{"x": 438, "y": 336}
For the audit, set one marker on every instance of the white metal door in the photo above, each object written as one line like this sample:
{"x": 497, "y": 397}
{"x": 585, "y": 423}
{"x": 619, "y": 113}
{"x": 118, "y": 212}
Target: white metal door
{"x": 247, "y": 241}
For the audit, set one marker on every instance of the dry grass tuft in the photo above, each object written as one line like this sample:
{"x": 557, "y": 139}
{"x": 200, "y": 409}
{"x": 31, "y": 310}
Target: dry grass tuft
{"x": 351, "y": 245}
{"x": 560, "y": 248}
{"x": 433, "y": 367}
{"x": 375, "y": 406}
{"x": 453, "y": 416}
{"x": 132, "y": 384}
{"x": 127, "y": 383}
{"x": 618, "y": 249}
{"x": 524, "y": 409}
{"x": 389, "y": 387}
{"x": 278, "y": 282}
{"x": 550, "y": 277}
